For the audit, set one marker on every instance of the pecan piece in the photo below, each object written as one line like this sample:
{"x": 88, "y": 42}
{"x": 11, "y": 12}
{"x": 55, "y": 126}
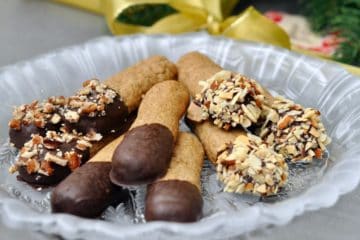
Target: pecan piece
{"x": 51, "y": 144}
{"x": 15, "y": 124}
{"x": 88, "y": 107}
{"x": 40, "y": 123}
{"x": 226, "y": 126}
{"x": 249, "y": 187}
{"x": 258, "y": 103}
{"x": 48, "y": 108}
{"x": 86, "y": 83}
{"x": 318, "y": 153}
{"x": 214, "y": 85}
{"x": 32, "y": 166}
{"x": 73, "y": 160}
{"x": 228, "y": 163}
{"x": 46, "y": 168}
{"x": 37, "y": 139}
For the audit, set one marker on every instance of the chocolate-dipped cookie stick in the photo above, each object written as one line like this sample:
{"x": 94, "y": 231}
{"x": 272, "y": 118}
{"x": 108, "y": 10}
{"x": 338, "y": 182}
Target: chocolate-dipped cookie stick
{"x": 88, "y": 191}
{"x": 47, "y": 160}
{"x": 177, "y": 195}
{"x": 102, "y": 107}
{"x": 135, "y": 81}
{"x": 145, "y": 152}
{"x": 244, "y": 162}
{"x": 98, "y": 107}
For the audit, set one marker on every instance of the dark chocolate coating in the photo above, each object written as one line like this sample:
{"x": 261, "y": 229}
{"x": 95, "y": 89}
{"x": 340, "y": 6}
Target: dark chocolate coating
{"x": 37, "y": 179}
{"x": 20, "y": 137}
{"x": 87, "y": 192}
{"x": 59, "y": 173}
{"x": 143, "y": 156}
{"x": 173, "y": 200}
{"x": 116, "y": 114}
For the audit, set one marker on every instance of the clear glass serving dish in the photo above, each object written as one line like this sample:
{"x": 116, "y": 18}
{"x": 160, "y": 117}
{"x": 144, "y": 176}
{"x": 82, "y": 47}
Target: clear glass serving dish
{"x": 308, "y": 81}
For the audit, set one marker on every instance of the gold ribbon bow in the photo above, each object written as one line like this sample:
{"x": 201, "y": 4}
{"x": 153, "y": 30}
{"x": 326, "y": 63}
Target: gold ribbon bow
{"x": 192, "y": 15}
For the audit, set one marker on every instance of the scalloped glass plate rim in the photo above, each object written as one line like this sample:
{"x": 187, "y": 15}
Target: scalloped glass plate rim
{"x": 63, "y": 224}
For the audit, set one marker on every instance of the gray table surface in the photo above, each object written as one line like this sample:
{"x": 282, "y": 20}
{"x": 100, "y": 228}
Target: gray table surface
{"x": 32, "y": 27}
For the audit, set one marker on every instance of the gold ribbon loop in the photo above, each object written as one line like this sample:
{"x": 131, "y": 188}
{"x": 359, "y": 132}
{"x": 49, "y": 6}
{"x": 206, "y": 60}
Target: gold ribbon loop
{"x": 252, "y": 26}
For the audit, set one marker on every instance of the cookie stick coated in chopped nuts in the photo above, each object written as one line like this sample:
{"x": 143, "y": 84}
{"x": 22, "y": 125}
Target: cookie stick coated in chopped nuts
{"x": 242, "y": 160}
{"x": 177, "y": 195}
{"x": 231, "y": 150}
{"x": 232, "y": 100}
{"x": 194, "y": 67}
{"x": 144, "y": 154}
{"x": 227, "y": 98}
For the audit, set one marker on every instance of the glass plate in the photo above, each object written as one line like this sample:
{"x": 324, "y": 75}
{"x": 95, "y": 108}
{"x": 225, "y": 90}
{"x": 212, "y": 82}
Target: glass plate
{"x": 306, "y": 80}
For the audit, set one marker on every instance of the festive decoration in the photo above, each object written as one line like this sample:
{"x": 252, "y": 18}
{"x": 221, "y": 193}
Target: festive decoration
{"x": 170, "y": 16}
{"x": 340, "y": 18}
{"x": 302, "y": 37}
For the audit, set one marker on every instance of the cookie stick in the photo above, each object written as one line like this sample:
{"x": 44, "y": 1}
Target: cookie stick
{"x": 132, "y": 83}
{"x": 216, "y": 138}
{"x": 227, "y": 98}
{"x": 88, "y": 191}
{"x": 194, "y": 67}
{"x": 177, "y": 195}
{"x": 262, "y": 171}
{"x": 102, "y": 107}
{"x": 144, "y": 154}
